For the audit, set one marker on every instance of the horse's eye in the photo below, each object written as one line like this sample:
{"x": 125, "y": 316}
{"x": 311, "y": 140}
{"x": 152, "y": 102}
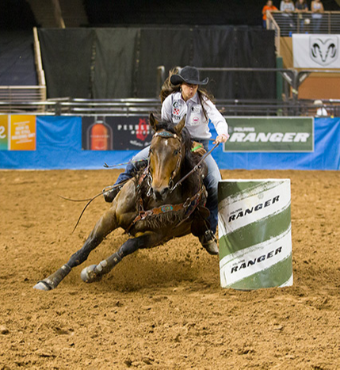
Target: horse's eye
{"x": 176, "y": 151}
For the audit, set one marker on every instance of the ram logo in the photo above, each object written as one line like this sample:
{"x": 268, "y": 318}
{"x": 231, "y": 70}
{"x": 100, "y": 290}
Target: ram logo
{"x": 324, "y": 50}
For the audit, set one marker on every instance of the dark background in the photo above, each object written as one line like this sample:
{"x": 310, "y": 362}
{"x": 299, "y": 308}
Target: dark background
{"x": 82, "y": 62}
{"x": 16, "y": 14}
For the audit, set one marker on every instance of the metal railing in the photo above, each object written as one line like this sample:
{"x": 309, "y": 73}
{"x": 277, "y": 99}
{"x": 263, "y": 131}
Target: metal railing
{"x": 138, "y": 107}
{"x": 20, "y": 97}
{"x": 306, "y": 22}
{"x": 80, "y": 107}
{"x": 27, "y": 100}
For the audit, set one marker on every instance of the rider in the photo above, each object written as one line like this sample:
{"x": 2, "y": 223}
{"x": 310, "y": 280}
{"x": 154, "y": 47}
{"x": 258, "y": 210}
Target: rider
{"x": 181, "y": 95}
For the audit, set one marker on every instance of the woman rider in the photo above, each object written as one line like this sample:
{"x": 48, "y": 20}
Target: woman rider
{"x": 182, "y": 95}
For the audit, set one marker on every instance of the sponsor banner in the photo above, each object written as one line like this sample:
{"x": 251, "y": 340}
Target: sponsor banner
{"x": 17, "y": 132}
{"x": 254, "y": 226}
{"x": 22, "y": 132}
{"x": 59, "y": 146}
{"x": 115, "y": 133}
{"x": 267, "y": 196}
{"x": 270, "y": 134}
{"x": 316, "y": 51}
{"x": 3, "y": 132}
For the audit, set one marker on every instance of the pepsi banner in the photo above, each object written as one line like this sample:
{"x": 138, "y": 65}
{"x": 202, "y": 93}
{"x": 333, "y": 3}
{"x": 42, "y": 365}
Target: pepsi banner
{"x": 316, "y": 51}
{"x": 115, "y": 133}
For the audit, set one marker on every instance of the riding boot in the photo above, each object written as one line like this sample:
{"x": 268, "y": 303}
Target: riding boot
{"x": 208, "y": 242}
{"x": 109, "y": 195}
{"x": 129, "y": 172}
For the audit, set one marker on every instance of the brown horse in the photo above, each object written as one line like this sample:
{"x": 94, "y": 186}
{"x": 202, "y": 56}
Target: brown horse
{"x": 151, "y": 207}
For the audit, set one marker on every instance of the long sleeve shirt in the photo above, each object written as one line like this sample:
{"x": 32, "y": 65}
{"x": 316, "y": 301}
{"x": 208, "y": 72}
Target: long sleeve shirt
{"x": 174, "y": 108}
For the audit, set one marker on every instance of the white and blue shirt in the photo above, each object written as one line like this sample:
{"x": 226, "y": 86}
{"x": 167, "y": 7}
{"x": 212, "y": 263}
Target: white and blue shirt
{"x": 174, "y": 108}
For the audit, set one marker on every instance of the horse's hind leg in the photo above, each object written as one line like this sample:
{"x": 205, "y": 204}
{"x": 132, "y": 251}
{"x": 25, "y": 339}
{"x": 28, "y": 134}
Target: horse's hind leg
{"x": 94, "y": 273}
{"x": 103, "y": 227}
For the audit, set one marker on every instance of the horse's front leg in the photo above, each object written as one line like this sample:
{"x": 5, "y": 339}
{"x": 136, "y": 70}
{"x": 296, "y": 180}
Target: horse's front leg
{"x": 94, "y": 273}
{"x": 103, "y": 227}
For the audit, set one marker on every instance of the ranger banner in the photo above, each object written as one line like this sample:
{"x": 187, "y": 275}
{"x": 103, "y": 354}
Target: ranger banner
{"x": 254, "y": 227}
{"x": 270, "y": 134}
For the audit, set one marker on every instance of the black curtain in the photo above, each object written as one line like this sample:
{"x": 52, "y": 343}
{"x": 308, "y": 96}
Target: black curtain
{"x": 67, "y": 59}
{"x": 114, "y": 62}
{"x": 160, "y": 47}
{"x": 213, "y": 47}
{"x": 254, "y": 48}
{"x": 122, "y": 62}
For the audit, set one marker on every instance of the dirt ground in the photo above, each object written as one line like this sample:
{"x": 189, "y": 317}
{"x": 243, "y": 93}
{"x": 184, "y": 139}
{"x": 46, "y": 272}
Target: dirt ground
{"x": 161, "y": 308}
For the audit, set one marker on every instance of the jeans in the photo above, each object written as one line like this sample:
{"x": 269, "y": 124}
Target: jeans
{"x": 316, "y": 24}
{"x": 210, "y": 182}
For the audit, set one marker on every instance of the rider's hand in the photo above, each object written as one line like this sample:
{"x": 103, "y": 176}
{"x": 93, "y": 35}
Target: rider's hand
{"x": 221, "y": 138}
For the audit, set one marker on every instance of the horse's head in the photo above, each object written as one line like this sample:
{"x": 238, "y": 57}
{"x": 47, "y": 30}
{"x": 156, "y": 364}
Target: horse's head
{"x": 166, "y": 156}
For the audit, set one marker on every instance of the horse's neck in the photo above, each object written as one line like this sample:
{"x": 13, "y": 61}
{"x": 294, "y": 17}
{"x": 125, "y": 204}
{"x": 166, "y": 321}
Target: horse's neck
{"x": 194, "y": 181}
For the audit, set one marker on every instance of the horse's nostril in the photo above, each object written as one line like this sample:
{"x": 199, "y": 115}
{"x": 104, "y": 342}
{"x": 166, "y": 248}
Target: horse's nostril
{"x": 164, "y": 191}
{"x": 157, "y": 195}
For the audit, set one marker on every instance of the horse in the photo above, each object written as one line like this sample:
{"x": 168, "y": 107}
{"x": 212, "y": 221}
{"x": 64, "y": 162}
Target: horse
{"x": 164, "y": 200}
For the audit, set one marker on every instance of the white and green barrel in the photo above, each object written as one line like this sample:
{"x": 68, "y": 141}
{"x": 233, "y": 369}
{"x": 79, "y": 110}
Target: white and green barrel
{"x": 254, "y": 227}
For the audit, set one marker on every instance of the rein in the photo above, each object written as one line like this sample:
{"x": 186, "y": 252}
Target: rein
{"x": 194, "y": 169}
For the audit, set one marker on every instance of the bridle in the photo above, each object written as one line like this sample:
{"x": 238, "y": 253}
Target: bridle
{"x": 172, "y": 186}
{"x": 167, "y": 135}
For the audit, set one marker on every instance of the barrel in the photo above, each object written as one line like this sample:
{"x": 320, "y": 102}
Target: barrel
{"x": 254, "y": 229}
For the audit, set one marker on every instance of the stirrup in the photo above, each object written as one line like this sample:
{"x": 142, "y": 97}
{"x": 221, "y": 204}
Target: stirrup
{"x": 208, "y": 242}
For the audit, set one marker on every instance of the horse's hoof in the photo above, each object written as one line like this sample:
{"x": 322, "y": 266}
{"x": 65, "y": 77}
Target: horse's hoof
{"x": 42, "y": 285}
{"x": 89, "y": 275}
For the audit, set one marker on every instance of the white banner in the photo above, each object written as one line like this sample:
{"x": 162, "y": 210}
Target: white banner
{"x": 316, "y": 51}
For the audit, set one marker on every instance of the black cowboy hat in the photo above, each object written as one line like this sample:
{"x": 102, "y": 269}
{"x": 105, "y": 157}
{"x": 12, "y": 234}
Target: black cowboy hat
{"x": 190, "y": 75}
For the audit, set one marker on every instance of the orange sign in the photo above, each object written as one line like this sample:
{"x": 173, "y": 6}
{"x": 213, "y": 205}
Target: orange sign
{"x": 23, "y": 132}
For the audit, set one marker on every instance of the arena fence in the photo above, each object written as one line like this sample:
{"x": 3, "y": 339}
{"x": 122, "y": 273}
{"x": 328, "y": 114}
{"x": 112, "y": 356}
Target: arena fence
{"x": 306, "y": 22}
{"x": 22, "y": 98}
{"x": 135, "y": 107}
{"x": 32, "y": 99}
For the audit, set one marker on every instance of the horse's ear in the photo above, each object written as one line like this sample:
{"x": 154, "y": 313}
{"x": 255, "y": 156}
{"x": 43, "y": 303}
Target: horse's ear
{"x": 153, "y": 122}
{"x": 179, "y": 127}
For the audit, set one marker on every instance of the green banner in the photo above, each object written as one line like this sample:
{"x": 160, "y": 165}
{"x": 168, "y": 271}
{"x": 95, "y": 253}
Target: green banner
{"x": 270, "y": 134}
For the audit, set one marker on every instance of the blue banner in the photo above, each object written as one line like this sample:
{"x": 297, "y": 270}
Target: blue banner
{"x": 59, "y": 146}
{"x": 326, "y": 154}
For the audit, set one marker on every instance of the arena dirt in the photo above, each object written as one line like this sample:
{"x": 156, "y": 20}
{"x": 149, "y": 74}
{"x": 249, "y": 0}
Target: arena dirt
{"x": 161, "y": 308}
